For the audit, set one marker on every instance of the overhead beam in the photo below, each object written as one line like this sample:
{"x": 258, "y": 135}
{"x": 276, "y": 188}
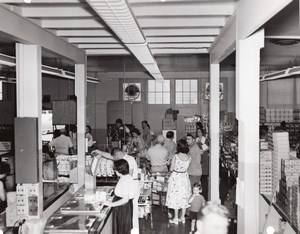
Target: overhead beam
{"x": 179, "y": 45}
{"x": 43, "y": 1}
{"x": 83, "y": 33}
{"x": 179, "y": 9}
{"x": 71, "y": 23}
{"x": 170, "y": 1}
{"x": 179, "y": 39}
{"x": 181, "y": 31}
{"x": 179, "y": 51}
{"x": 92, "y": 40}
{"x": 253, "y": 14}
{"x": 27, "y": 32}
{"x": 160, "y": 22}
{"x": 105, "y": 52}
{"x": 100, "y": 46}
{"x": 49, "y": 11}
{"x": 225, "y": 43}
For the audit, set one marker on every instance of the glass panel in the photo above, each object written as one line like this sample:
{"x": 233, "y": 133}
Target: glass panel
{"x": 186, "y": 98}
{"x": 186, "y": 85}
{"x": 194, "y": 85}
{"x": 159, "y": 98}
{"x": 151, "y": 98}
{"x": 166, "y": 99}
{"x": 1, "y": 92}
{"x": 159, "y": 86}
{"x": 178, "y": 98}
{"x": 166, "y": 86}
{"x": 178, "y": 85}
{"x": 151, "y": 85}
{"x": 194, "y": 98}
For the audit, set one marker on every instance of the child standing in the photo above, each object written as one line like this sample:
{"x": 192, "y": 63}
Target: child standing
{"x": 197, "y": 201}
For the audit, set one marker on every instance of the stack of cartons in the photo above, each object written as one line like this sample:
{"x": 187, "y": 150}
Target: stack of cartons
{"x": 281, "y": 148}
{"x": 265, "y": 172}
{"x": 296, "y": 115}
{"x": 288, "y": 198}
{"x": 262, "y": 115}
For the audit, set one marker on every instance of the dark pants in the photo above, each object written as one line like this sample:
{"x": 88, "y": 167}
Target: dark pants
{"x": 204, "y": 183}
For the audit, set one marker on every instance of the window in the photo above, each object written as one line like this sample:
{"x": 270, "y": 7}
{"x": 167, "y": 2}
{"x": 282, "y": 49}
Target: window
{"x": 186, "y": 92}
{"x": 1, "y": 91}
{"x": 159, "y": 92}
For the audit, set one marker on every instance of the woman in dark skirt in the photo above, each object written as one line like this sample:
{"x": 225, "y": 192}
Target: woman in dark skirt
{"x": 122, "y": 202}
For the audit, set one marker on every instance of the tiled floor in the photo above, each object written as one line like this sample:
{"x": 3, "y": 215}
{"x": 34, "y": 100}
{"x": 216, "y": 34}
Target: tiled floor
{"x": 161, "y": 224}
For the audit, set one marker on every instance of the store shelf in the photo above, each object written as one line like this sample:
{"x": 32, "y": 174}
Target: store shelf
{"x": 280, "y": 212}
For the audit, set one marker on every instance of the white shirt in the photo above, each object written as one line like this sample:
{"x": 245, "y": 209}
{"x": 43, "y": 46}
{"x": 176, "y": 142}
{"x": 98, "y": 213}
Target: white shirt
{"x": 61, "y": 144}
{"x": 125, "y": 187}
{"x": 132, "y": 165}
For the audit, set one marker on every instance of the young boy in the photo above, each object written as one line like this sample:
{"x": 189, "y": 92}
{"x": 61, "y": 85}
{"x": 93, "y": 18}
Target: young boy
{"x": 197, "y": 201}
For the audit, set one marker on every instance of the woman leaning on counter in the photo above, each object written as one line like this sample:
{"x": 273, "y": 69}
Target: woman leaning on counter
{"x": 122, "y": 202}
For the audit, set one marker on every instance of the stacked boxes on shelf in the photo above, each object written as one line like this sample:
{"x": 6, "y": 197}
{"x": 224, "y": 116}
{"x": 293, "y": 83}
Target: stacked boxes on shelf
{"x": 67, "y": 168}
{"x": 278, "y": 115}
{"x": 279, "y": 143}
{"x": 265, "y": 172}
{"x": 262, "y": 115}
{"x": 288, "y": 197}
{"x": 296, "y": 115}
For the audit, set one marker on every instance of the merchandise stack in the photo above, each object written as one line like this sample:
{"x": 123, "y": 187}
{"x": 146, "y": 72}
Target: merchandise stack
{"x": 288, "y": 197}
{"x": 279, "y": 115}
{"x": 296, "y": 115}
{"x": 265, "y": 172}
{"x": 262, "y": 115}
{"x": 279, "y": 144}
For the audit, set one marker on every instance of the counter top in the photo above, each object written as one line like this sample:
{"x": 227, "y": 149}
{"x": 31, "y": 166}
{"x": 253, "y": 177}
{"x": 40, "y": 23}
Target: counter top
{"x": 80, "y": 214}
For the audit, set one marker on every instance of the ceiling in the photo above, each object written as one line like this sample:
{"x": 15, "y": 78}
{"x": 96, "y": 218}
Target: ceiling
{"x": 178, "y": 34}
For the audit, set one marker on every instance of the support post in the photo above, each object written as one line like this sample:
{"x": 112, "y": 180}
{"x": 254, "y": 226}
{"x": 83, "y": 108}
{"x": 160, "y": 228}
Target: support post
{"x": 214, "y": 123}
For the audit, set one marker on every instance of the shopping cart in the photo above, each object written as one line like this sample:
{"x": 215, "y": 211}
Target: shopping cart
{"x": 145, "y": 201}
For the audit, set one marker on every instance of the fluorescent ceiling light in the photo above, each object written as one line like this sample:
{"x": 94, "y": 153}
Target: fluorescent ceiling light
{"x": 289, "y": 72}
{"x": 151, "y": 67}
{"x": 141, "y": 52}
{"x": 7, "y": 60}
{"x": 27, "y": 1}
{"x": 11, "y": 61}
{"x": 119, "y": 18}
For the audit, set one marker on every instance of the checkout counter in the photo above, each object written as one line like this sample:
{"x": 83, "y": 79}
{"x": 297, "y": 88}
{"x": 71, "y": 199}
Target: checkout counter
{"x": 83, "y": 213}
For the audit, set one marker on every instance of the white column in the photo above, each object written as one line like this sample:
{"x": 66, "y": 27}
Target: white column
{"x": 214, "y": 123}
{"x": 29, "y": 96}
{"x": 247, "y": 105}
{"x": 80, "y": 91}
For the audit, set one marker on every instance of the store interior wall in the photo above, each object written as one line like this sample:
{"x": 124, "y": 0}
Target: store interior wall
{"x": 280, "y": 94}
{"x": 98, "y": 95}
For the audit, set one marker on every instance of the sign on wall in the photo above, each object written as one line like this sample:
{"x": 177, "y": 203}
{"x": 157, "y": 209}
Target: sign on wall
{"x": 207, "y": 90}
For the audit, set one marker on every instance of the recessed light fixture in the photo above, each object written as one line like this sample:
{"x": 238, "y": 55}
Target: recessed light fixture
{"x": 27, "y": 1}
{"x": 163, "y": 0}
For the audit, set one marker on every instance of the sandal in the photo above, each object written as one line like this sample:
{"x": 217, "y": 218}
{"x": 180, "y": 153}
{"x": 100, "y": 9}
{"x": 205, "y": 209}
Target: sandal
{"x": 182, "y": 220}
{"x": 174, "y": 221}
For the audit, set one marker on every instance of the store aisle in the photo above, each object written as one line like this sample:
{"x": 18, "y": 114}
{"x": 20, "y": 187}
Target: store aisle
{"x": 161, "y": 224}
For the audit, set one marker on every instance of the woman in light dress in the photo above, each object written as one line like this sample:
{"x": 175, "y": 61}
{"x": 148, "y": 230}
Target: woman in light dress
{"x": 179, "y": 187}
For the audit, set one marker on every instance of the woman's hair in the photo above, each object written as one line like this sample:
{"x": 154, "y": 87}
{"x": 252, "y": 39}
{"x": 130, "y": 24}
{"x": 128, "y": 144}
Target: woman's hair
{"x": 89, "y": 127}
{"x": 122, "y": 166}
{"x": 197, "y": 185}
{"x": 135, "y": 130}
{"x": 119, "y": 121}
{"x": 4, "y": 169}
{"x": 146, "y": 122}
{"x": 182, "y": 146}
